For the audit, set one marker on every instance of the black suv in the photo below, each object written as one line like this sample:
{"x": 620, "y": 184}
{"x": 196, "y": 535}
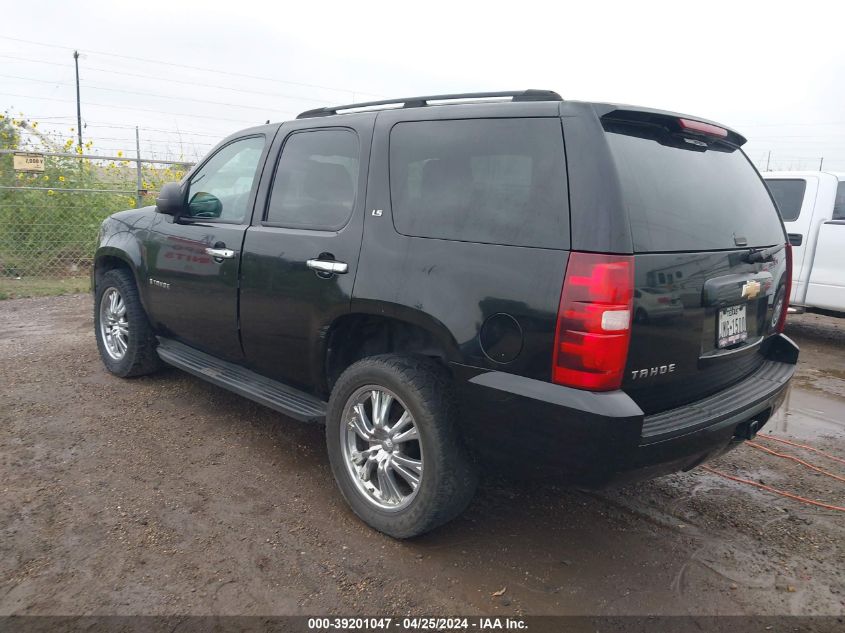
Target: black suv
{"x": 591, "y": 288}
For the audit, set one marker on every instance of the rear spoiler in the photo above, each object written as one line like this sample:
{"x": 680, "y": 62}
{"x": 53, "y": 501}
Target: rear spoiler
{"x": 672, "y": 121}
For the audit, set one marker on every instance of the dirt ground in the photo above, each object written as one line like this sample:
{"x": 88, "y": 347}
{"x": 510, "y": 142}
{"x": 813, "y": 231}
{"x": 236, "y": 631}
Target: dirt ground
{"x": 166, "y": 495}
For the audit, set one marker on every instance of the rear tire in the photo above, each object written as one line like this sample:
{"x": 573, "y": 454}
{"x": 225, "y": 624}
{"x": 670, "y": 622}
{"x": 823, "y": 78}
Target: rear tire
{"x": 125, "y": 339}
{"x": 371, "y": 456}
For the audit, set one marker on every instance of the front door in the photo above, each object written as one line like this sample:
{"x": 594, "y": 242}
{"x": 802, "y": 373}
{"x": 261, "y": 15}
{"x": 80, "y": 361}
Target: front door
{"x": 796, "y": 199}
{"x": 194, "y": 260}
{"x": 301, "y": 254}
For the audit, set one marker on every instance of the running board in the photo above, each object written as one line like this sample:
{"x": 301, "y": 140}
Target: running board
{"x": 242, "y": 381}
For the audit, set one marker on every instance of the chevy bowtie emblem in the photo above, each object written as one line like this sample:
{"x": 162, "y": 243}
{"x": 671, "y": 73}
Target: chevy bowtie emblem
{"x": 750, "y": 289}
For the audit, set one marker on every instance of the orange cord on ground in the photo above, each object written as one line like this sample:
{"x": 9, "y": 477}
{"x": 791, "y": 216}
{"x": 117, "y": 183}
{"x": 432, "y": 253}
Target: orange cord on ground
{"x": 788, "y": 495}
{"x": 794, "y": 459}
{"x": 797, "y": 445}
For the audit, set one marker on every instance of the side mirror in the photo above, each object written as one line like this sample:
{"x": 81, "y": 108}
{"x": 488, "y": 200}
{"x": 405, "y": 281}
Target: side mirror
{"x": 205, "y": 205}
{"x": 171, "y": 199}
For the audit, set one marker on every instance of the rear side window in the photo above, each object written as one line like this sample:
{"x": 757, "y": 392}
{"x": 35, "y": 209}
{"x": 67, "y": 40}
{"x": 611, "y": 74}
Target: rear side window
{"x": 789, "y": 196}
{"x": 316, "y": 180}
{"x": 497, "y": 181}
{"x": 686, "y": 194}
{"x": 839, "y": 205}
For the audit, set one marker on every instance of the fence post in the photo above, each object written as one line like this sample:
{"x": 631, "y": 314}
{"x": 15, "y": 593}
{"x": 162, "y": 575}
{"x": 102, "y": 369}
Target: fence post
{"x": 138, "y": 169}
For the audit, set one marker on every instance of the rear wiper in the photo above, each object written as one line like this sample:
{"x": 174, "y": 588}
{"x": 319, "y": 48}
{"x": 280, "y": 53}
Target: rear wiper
{"x": 762, "y": 254}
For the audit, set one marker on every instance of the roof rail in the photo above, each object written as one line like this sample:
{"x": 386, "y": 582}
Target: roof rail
{"x": 420, "y": 102}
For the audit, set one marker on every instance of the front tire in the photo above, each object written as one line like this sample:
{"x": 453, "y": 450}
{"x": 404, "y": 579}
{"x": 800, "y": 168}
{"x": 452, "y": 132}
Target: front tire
{"x": 394, "y": 450}
{"x": 124, "y": 337}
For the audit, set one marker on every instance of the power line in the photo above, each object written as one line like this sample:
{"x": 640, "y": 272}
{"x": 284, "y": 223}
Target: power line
{"x": 199, "y": 68}
{"x": 105, "y": 125}
{"x": 206, "y": 85}
{"x": 144, "y": 94}
{"x": 116, "y": 107}
{"x": 175, "y": 81}
{"x": 146, "y": 139}
{"x": 741, "y": 125}
{"x": 115, "y": 126}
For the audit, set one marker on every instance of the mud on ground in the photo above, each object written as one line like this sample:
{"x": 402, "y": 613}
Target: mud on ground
{"x": 165, "y": 495}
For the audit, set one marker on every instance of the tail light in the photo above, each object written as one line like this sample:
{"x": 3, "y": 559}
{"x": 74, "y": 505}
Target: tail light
{"x": 594, "y": 321}
{"x": 781, "y": 324}
{"x": 701, "y": 127}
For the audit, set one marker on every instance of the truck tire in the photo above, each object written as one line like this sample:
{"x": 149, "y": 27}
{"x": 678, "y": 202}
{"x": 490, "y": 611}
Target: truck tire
{"x": 124, "y": 337}
{"x": 394, "y": 449}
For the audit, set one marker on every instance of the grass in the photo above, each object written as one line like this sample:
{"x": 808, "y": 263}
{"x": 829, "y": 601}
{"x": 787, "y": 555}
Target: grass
{"x": 11, "y": 288}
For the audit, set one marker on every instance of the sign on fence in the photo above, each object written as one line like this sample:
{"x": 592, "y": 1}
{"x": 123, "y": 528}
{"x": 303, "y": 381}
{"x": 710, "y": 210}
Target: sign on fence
{"x": 29, "y": 162}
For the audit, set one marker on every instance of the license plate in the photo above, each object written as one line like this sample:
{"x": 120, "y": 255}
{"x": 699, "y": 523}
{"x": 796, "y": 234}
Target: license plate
{"x": 732, "y": 328}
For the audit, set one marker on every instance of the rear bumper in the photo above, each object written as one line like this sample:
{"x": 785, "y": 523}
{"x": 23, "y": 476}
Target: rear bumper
{"x": 597, "y": 438}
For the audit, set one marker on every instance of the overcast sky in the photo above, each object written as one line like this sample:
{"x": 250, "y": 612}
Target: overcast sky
{"x": 775, "y": 71}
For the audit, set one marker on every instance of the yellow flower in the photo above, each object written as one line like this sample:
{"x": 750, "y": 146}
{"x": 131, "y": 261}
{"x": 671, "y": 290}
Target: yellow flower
{"x": 34, "y": 124}
{"x": 61, "y": 178}
{"x": 46, "y": 177}
{"x": 50, "y": 192}
{"x": 120, "y": 154}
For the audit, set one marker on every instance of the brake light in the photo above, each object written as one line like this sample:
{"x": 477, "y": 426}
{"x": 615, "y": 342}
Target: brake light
{"x": 787, "y": 291}
{"x": 594, "y": 321}
{"x": 702, "y": 127}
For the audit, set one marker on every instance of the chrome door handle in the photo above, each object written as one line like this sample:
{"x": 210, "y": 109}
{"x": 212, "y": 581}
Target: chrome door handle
{"x": 220, "y": 253}
{"x": 328, "y": 266}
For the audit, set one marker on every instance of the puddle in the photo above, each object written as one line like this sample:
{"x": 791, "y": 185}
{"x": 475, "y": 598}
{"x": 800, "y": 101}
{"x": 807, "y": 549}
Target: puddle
{"x": 807, "y": 414}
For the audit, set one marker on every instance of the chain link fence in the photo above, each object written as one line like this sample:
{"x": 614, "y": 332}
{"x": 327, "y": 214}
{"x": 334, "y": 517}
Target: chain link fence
{"x": 49, "y": 218}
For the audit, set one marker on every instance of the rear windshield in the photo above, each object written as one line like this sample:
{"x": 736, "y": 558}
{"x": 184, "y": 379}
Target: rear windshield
{"x": 683, "y": 194}
{"x": 789, "y": 195}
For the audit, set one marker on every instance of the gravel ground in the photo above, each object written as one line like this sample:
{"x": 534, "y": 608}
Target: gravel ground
{"x": 165, "y": 495}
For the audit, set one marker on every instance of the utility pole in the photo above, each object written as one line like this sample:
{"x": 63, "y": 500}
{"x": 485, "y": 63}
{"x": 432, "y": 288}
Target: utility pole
{"x": 78, "y": 106}
{"x": 768, "y": 160}
{"x": 821, "y": 163}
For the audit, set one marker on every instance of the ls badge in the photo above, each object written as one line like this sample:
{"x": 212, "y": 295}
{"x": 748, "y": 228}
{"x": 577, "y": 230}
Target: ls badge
{"x": 750, "y": 289}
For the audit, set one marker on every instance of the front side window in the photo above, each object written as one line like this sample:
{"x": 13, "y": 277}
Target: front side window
{"x": 220, "y": 189}
{"x": 496, "y": 181}
{"x": 839, "y": 205}
{"x": 789, "y": 196}
{"x": 316, "y": 180}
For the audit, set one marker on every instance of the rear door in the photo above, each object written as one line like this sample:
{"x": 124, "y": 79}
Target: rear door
{"x": 796, "y": 199}
{"x": 301, "y": 254}
{"x": 703, "y": 306}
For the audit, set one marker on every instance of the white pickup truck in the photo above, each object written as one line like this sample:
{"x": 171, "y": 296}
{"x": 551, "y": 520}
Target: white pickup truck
{"x": 812, "y": 204}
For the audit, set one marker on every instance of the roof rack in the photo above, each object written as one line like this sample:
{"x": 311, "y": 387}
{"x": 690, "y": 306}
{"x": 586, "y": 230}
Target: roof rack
{"x": 420, "y": 102}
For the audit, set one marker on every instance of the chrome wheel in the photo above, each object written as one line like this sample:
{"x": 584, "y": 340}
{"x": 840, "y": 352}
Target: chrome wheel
{"x": 381, "y": 447}
{"x": 114, "y": 326}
